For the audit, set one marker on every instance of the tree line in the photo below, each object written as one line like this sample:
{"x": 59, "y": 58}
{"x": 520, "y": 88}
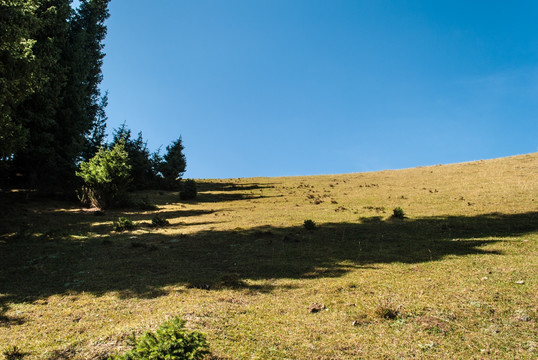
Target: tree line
{"x": 52, "y": 111}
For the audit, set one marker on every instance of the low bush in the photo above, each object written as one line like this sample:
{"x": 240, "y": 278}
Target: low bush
{"x": 123, "y": 224}
{"x": 106, "y": 177}
{"x": 309, "y": 225}
{"x": 188, "y": 190}
{"x": 171, "y": 341}
{"x": 158, "y": 221}
{"x": 398, "y": 213}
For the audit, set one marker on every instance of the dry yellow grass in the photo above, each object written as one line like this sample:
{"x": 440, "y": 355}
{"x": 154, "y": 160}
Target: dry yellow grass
{"x": 460, "y": 270}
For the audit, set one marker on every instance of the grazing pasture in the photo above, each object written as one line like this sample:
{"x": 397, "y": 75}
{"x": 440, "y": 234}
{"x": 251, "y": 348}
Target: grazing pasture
{"x": 454, "y": 275}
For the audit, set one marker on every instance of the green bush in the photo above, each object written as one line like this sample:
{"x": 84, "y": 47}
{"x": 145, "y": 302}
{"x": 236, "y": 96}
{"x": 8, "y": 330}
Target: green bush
{"x": 123, "y": 224}
{"x": 158, "y": 221}
{"x": 309, "y": 225}
{"x": 398, "y": 213}
{"x": 188, "y": 191}
{"x": 106, "y": 177}
{"x": 171, "y": 341}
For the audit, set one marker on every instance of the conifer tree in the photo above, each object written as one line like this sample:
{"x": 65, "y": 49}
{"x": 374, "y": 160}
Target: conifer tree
{"x": 62, "y": 117}
{"x": 143, "y": 171}
{"x": 174, "y": 164}
{"x": 17, "y": 71}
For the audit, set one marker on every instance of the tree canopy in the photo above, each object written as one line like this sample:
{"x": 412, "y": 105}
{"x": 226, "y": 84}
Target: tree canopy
{"x": 52, "y": 111}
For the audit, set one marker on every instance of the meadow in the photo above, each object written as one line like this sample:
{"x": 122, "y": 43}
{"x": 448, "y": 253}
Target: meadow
{"x": 456, "y": 278}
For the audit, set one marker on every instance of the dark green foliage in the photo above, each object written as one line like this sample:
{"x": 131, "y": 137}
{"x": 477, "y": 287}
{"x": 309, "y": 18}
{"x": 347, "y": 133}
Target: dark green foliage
{"x": 174, "y": 164}
{"x": 158, "y": 221}
{"x": 42, "y": 163}
{"x": 95, "y": 137}
{"x": 123, "y": 224}
{"x": 52, "y": 111}
{"x": 106, "y": 177}
{"x": 398, "y": 213}
{"x": 309, "y": 225}
{"x": 82, "y": 97}
{"x": 143, "y": 167}
{"x": 188, "y": 190}
{"x": 17, "y": 71}
{"x": 171, "y": 341}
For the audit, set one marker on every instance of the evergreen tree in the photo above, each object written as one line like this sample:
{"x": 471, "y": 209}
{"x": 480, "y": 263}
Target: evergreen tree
{"x": 17, "y": 71}
{"x": 63, "y": 118}
{"x": 143, "y": 171}
{"x": 96, "y": 135}
{"x": 174, "y": 164}
{"x": 82, "y": 104}
{"x": 38, "y": 112}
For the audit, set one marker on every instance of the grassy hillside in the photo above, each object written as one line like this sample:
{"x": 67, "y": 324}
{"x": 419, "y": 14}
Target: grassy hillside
{"x": 457, "y": 278}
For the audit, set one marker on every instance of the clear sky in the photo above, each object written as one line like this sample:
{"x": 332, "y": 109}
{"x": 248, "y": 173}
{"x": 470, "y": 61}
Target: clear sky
{"x": 292, "y": 87}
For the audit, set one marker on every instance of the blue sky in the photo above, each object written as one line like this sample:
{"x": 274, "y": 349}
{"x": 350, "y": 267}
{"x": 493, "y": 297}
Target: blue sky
{"x": 291, "y": 87}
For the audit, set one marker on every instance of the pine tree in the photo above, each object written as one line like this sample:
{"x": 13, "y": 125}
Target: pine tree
{"x": 38, "y": 112}
{"x": 143, "y": 171}
{"x": 63, "y": 118}
{"x": 17, "y": 71}
{"x": 174, "y": 164}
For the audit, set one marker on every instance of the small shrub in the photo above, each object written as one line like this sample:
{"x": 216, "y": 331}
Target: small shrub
{"x": 387, "y": 310}
{"x": 309, "y": 225}
{"x": 106, "y": 177}
{"x": 398, "y": 213}
{"x": 158, "y": 221}
{"x": 123, "y": 224}
{"x": 171, "y": 341}
{"x": 14, "y": 353}
{"x": 188, "y": 191}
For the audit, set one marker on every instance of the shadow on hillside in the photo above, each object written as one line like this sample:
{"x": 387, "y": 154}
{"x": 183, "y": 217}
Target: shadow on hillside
{"x": 35, "y": 267}
{"x": 211, "y": 185}
{"x": 209, "y": 191}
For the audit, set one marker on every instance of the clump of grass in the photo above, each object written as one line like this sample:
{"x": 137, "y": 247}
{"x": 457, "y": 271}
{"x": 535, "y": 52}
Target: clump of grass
{"x": 398, "y": 213}
{"x": 171, "y": 341}
{"x": 123, "y": 224}
{"x": 158, "y": 221}
{"x": 387, "y": 310}
{"x": 309, "y": 225}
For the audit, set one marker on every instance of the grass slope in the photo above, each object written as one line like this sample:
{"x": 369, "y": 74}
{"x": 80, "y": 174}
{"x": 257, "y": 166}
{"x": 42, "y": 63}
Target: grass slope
{"x": 456, "y": 279}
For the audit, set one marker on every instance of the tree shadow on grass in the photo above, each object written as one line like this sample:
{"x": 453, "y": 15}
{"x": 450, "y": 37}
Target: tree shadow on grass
{"x": 35, "y": 267}
{"x": 224, "y": 186}
{"x": 209, "y": 191}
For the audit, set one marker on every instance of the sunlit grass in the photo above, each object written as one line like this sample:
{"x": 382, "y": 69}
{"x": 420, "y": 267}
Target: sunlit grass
{"x": 459, "y": 272}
